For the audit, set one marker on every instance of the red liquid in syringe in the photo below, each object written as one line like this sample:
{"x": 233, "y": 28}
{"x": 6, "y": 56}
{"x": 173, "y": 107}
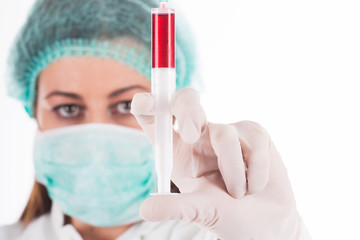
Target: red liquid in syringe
{"x": 163, "y": 42}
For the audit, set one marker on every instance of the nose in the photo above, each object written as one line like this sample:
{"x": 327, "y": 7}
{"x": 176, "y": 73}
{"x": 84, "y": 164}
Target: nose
{"x": 97, "y": 113}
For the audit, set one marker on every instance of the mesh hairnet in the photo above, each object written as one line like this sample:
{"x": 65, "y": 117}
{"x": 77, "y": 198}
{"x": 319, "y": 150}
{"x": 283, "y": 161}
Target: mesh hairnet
{"x": 100, "y": 28}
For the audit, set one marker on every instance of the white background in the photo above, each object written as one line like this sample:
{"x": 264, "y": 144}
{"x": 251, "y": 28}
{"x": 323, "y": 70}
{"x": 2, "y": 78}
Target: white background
{"x": 292, "y": 66}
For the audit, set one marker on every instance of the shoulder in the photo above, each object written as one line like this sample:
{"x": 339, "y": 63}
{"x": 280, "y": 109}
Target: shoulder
{"x": 174, "y": 230}
{"x": 12, "y": 231}
{"x": 41, "y": 228}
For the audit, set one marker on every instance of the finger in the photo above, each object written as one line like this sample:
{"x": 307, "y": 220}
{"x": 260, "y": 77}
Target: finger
{"x": 161, "y": 208}
{"x": 227, "y": 148}
{"x": 170, "y": 207}
{"x": 141, "y": 107}
{"x": 190, "y": 115}
{"x": 255, "y": 143}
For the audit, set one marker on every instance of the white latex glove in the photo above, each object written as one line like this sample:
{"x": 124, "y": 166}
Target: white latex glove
{"x": 231, "y": 177}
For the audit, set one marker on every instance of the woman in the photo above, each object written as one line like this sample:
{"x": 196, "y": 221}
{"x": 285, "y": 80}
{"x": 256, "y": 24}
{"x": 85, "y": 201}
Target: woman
{"x": 78, "y": 68}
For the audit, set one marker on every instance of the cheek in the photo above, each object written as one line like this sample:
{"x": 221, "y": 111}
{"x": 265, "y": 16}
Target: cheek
{"x": 45, "y": 119}
{"x": 43, "y": 113}
{"x": 42, "y": 117}
{"x": 128, "y": 121}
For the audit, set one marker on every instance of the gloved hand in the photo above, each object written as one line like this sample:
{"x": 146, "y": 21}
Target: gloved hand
{"x": 231, "y": 177}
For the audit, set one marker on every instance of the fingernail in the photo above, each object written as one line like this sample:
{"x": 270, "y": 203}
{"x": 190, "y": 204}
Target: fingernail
{"x": 142, "y": 103}
{"x": 189, "y": 131}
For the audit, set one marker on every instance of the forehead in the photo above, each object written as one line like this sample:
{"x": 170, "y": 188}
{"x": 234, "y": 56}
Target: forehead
{"x": 88, "y": 75}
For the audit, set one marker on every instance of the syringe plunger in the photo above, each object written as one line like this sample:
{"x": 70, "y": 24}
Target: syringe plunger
{"x": 163, "y": 79}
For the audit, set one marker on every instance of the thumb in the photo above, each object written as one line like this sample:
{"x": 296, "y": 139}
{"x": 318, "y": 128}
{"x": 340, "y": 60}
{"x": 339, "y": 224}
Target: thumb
{"x": 168, "y": 207}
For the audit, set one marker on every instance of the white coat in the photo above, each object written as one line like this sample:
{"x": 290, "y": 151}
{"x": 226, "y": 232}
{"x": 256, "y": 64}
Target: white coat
{"x": 51, "y": 226}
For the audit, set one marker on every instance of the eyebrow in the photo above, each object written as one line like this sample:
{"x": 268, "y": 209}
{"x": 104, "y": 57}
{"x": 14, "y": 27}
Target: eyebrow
{"x": 65, "y": 94}
{"x": 76, "y": 96}
{"x": 122, "y": 90}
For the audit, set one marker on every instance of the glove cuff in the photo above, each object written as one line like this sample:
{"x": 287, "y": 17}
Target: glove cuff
{"x": 303, "y": 233}
{"x": 299, "y": 226}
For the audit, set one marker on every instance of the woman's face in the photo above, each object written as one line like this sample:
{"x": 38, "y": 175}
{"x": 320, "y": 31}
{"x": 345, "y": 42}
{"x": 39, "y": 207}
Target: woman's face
{"x": 77, "y": 90}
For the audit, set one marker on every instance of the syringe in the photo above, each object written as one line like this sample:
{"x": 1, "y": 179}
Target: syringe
{"x": 163, "y": 77}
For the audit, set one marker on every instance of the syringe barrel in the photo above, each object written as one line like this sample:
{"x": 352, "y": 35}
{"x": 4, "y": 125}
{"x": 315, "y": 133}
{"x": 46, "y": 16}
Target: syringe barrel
{"x": 163, "y": 88}
{"x": 163, "y": 82}
{"x": 163, "y": 38}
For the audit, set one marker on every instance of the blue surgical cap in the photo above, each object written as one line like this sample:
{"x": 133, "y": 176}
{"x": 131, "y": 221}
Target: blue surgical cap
{"x": 114, "y": 29}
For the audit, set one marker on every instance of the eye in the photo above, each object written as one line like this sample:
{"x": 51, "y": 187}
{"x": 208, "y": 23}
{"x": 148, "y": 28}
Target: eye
{"x": 123, "y": 107}
{"x": 69, "y": 110}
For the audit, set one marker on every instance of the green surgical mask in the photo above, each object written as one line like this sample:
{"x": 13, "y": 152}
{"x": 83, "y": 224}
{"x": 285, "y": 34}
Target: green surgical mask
{"x": 96, "y": 173}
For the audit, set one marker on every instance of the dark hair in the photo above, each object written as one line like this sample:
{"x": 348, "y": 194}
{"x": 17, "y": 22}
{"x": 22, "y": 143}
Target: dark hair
{"x": 38, "y": 204}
